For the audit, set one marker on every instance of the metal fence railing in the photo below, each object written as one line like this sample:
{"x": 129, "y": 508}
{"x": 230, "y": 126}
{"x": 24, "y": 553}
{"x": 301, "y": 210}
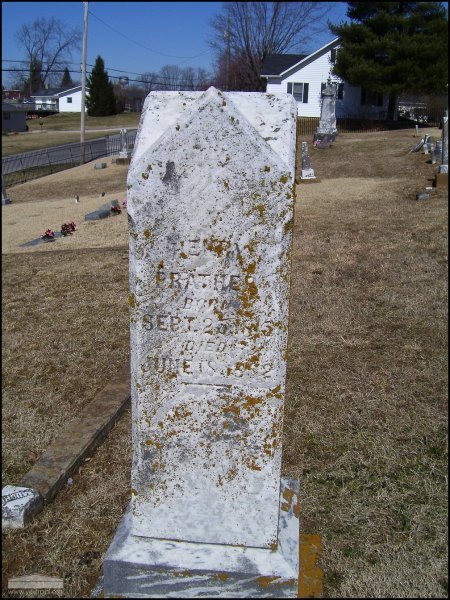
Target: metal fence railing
{"x": 19, "y": 168}
{"x": 307, "y": 126}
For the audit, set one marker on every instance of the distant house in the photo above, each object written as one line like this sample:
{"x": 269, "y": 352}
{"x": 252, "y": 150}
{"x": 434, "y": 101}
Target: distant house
{"x": 58, "y": 99}
{"x": 15, "y": 95}
{"x": 304, "y": 76}
{"x": 14, "y": 117}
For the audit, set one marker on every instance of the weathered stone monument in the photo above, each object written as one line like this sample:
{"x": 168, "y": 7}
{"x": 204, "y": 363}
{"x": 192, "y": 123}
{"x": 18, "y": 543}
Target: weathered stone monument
{"x": 444, "y": 161}
{"x": 5, "y": 199}
{"x": 442, "y": 175}
{"x": 307, "y": 172}
{"x": 124, "y": 152}
{"x": 327, "y": 129}
{"x": 210, "y": 208}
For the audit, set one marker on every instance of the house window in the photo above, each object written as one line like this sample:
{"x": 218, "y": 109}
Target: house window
{"x": 369, "y": 98}
{"x": 333, "y": 57}
{"x": 299, "y": 91}
{"x": 6, "y": 116}
{"x": 69, "y": 100}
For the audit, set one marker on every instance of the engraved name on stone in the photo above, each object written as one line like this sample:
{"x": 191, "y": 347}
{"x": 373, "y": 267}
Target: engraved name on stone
{"x": 16, "y": 496}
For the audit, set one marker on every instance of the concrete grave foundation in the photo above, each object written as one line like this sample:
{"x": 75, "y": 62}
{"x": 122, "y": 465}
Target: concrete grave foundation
{"x": 137, "y": 566}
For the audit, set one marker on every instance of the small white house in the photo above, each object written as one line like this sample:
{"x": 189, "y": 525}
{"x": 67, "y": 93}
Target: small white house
{"x": 304, "y": 76}
{"x": 58, "y": 99}
{"x": 70, "y": 100}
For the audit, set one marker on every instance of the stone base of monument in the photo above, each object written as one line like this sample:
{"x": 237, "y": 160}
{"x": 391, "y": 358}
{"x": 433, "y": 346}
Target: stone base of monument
{"x": 123, "y": 159}
{"x": 441, "y": 180}
{"x": 323, "y": 140}
{"x": 143, "y": 567}
{"x": 308, "y": 180}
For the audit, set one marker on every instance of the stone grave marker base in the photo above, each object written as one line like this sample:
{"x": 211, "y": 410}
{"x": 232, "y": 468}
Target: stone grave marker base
{"x": 137, "y": 566}
{"x": 123, "y": 160}
{"x": 441, "y": 180}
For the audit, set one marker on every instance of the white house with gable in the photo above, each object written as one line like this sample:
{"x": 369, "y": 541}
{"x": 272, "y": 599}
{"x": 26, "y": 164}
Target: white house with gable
{"x": 304, "y": 76}
{"x": 58, "y": 99}
{"x": 70, "y": 100}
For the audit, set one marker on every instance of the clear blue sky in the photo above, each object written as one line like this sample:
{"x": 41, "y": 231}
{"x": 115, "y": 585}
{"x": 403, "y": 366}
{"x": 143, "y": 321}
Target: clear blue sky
{"x": 159, "y": 33}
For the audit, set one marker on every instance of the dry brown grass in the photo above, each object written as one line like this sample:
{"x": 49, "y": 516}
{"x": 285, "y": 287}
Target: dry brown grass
{"x": 365, "y": 420}
{"x": 84, "y": 181}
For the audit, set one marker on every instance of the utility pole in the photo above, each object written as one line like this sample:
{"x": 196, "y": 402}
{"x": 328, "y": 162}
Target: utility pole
{"x": 83, "y": 83}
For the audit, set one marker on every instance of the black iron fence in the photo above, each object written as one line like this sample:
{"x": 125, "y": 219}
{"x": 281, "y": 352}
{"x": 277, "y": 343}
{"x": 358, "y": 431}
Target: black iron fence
{"x": 19, "y": 168}
{"x": 307, "y": 126}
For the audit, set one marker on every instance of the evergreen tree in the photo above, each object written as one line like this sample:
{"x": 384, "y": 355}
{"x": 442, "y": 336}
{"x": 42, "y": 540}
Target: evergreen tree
{"x": 100, "y": 99}
{"x": 66, "y": 81}
{"x": 394, "y": 47}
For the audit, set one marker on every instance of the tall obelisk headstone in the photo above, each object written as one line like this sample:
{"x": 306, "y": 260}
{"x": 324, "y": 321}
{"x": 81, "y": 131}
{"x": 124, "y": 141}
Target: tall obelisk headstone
{"x": 210, "y": 207}
{"x": 327, "y": 129}
{"x": 442, "y": 175}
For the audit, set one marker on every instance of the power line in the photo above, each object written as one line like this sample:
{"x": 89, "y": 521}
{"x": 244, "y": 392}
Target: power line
{"x": 142, "y": 45}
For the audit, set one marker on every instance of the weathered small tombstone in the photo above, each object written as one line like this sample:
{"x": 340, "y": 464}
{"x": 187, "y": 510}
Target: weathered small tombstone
{"x": 77, "y": 199}
{"x": 422, "y": 196}
{"x": 103, "y": 212}
{"x": 418, "y": 146}
{"x": 417, "y": 130}
{"x": 327, "y": 129}
{"x": 123, "y": 152}
{"x": 210, "y": 205}
{"x": 100, "y": 165}
{"x": 5, "y": 199}
{"x": 307, "y": 172}
{"x": 427, "y": 145}
{"x": 19, "y": 504}
{"x": 443, "y": 168}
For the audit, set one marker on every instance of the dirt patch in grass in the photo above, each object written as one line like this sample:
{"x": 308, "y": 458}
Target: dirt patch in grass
{"x": 84, "y": 181}
{"x": 365, "y": 425}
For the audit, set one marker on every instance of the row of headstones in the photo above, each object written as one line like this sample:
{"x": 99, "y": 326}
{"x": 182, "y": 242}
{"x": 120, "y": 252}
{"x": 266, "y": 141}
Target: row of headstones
{"x": 438, "y": 149}
{"x": 325, "y": 133}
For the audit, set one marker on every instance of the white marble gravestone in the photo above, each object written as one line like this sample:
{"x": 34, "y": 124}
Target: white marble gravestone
{"x": 443, "y": 168}
{"x": 307, "y": 170}
{"x": 327, "y": 123}
{"x": 210, "y": 205}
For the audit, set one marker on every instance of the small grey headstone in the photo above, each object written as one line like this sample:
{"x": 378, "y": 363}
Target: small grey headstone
{"x": 423, "y": 196}
{"x": 5, "y": 199}
{"x": 101, "y": 213}
{"x": 307, "y": 170}
{"x": 418, "y": 146}
{"x": 443, "y": 168}
{"x": 19, "y": 504}
{"x": 100, "y": 166}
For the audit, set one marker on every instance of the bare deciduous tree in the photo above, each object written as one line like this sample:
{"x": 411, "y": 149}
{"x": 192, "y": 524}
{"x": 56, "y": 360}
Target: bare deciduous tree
{"x": 49, "y": 44}
{"x": 245, "y": 32}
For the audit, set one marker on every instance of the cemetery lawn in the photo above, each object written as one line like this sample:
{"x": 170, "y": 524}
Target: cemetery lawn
{"x": 64, "y": 128}
{"x": 365, "y": 425}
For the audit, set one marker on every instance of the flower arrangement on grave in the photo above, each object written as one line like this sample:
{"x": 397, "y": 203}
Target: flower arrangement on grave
{"x": 124, "y": 203}
{"x": 67, "y": 228}
{"x": 116, "y": 210}
{"x": 48, "y": 235}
